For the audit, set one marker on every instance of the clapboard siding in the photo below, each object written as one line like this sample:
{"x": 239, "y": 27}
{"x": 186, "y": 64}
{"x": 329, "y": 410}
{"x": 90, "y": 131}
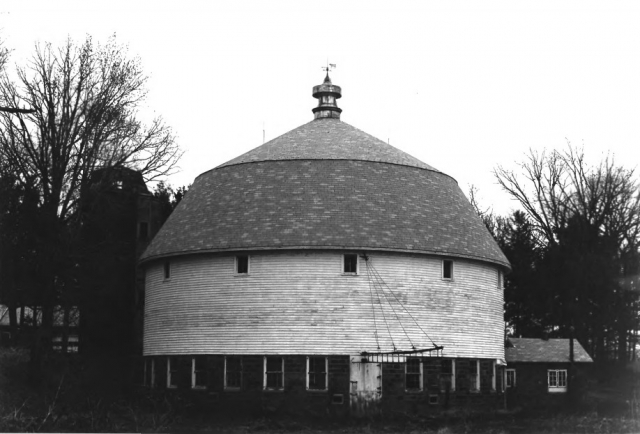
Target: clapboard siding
{"x": 300, "y": 303}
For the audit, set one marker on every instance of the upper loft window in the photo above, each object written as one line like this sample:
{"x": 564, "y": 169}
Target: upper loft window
{"x": 167, "y": 270}
{"x": 500, "y": 279}
{"x": 447, "y": 269}
{"x": 350, "y": 264}
{"x": 242, "y": 264}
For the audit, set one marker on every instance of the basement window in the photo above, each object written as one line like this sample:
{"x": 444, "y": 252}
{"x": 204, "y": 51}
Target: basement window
{"x": 149, "y": 373}
{"x": 167, "y": 270}
{"x": 172, "y": 372}
{"x": 273, "y": 373}
{"x": 198, "y": 373}
{"x": 474, "y": 375}
{"x": 317, "y": 369}
{"x": 413, "y": 375}
{"x": 350, "y": 264}
{"x": 447, "y": 269}
{"x": 447, "y": 375}
{"x": 242, "y": 264}
{"x": 511, "y": 378}
{"x": 557, "y": 379}
{"x": 233, "y": 373}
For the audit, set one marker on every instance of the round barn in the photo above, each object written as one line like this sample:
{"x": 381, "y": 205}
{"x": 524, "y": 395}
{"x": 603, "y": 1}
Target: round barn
{"x": 327, "y": 271}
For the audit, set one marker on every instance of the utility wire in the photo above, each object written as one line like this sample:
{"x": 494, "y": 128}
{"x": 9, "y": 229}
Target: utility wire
{"x": 406, "y": 310}
{"x": 381, "y": 308}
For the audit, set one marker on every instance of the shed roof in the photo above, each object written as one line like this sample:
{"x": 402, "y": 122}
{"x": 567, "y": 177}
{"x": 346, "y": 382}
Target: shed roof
{"x": 543, "y": 351}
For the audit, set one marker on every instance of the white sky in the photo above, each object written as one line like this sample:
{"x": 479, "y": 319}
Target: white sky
{"x": 463, "y": 86}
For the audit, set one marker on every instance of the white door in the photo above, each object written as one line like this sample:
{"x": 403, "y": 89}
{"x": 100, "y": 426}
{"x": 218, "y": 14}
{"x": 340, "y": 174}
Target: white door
{"x": 366, "y": 386}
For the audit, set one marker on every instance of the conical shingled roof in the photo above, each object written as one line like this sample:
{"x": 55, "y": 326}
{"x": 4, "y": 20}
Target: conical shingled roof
{"x": 326, "y": 185}
{"x": 328, "y": 139}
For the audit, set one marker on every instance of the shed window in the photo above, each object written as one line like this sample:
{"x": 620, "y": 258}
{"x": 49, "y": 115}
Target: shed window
{"x": 447, "y": 269}
{"x": 242, "y": 264}
{"x": 511, "y": 378}
{"x": 350, "y": 264}
{"x": 448, "y": 375}
{"x": 167, "y": 270}
{"x": 317, "y": 373}
{"x": 273, "y": 373}
{"x": 413, "y": 375}
{"x": 233, "y": 373}
{"x": 557, "y": 379}
{"x": 172, "y": 372}
{"x": 198, "y": 373}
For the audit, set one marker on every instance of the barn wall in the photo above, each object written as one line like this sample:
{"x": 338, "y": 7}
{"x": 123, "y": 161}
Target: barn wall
{"x": 295, "y": 399}
{"x": 301, "y": 303}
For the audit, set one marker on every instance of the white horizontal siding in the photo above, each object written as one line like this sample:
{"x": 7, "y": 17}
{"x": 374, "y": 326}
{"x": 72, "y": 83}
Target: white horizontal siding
{"x": 300, "y": 303}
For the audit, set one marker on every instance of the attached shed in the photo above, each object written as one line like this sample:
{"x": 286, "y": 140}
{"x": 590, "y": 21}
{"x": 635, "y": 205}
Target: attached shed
{"x": 542, "y": 372}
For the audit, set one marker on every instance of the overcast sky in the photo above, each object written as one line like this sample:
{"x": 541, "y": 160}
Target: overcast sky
{"x": 463, "y": 86}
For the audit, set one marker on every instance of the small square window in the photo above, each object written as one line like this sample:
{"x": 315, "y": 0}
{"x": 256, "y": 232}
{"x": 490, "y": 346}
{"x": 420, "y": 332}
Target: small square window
{"x": 273, "y": 373}
{"x": 242, "y": 264}
{"x": 337, "y": 399}
{"x": 433, "y": 399}
{"x": 350, "y": 264}
{"x": 167, "y": 270}
{"x": 233, "y": 373}
{"x": 447, "y": 269}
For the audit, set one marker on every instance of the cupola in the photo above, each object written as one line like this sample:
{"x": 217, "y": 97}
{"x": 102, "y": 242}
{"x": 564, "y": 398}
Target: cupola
{"x": 327, "y": 94}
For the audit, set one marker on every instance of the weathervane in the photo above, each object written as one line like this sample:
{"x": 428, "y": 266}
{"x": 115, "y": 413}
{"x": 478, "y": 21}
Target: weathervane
{"x": 329, "y": 67}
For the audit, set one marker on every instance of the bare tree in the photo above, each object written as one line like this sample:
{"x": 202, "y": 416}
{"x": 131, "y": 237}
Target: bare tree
{"x": 587, "y": 219}
{"x": 82, "y": 105}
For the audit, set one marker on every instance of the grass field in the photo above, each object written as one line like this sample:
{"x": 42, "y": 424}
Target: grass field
{"x": 84, "y": 396}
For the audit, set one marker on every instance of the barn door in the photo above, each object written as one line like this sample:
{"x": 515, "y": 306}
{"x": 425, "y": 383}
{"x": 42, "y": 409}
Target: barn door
{"x": 366, "y": 386}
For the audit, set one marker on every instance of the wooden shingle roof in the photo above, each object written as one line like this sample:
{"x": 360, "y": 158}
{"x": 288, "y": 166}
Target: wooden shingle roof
{"x": 543, "y": 351}
{"x": 326, "y": 185}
